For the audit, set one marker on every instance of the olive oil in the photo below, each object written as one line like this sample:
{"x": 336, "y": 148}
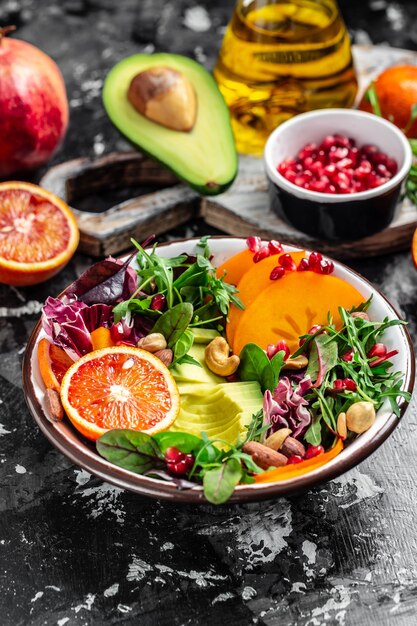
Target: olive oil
{"x": 280, "y": 58}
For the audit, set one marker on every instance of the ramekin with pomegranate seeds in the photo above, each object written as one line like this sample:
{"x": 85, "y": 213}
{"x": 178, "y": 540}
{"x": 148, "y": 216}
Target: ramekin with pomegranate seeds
{"x": 337, "y": 173}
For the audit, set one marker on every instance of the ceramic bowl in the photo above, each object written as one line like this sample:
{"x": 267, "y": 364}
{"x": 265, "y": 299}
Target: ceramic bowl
{"x": 82, "y": 453}
{"x": 336, "y": 216}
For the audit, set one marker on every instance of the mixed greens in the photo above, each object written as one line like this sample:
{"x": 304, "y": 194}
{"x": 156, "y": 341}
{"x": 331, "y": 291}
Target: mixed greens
{"x": 343, "y": 365}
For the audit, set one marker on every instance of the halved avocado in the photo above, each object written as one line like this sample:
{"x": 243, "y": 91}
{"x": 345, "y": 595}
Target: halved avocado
{"x": 204, "y": 157}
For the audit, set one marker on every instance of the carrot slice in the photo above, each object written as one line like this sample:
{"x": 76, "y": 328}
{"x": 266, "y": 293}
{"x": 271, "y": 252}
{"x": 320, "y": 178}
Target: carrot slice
{"x": 298, "y": 469}
{"x": 101, "y": 338}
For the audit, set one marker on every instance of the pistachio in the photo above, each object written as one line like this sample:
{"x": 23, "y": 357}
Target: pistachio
{"x": 341, "y": 426}
{"x": 299, "y": 363}
{"x": 360, "y": 416}
{"x": 166, "y": 355}
{"x": 152, "y": 342}
{"x": 264, "y": 456}
{"x": 164, "y": 96}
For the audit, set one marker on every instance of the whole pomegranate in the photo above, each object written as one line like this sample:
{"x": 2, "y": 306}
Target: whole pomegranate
{"x": 33, "y": 106}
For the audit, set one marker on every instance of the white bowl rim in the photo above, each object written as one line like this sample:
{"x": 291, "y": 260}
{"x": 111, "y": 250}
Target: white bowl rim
{"x": 307, "y": 194}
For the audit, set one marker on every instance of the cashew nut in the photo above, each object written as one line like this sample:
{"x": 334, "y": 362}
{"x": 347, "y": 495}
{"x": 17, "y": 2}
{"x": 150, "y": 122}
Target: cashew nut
{"x": 217, "y": 358}
{"x": 360, "y": 416}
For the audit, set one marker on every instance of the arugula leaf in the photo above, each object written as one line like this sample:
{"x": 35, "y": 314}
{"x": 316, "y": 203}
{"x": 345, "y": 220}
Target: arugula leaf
{"x": 130, "y": 449}
{"x": 220, "y": 482}
{"x": 173, "y": 323}
{"x": 127, "y": 307}
{"x": 183, "y": 441}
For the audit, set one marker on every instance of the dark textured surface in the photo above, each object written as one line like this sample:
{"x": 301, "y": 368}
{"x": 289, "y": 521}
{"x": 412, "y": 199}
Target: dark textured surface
{"x": 76, "y": 551}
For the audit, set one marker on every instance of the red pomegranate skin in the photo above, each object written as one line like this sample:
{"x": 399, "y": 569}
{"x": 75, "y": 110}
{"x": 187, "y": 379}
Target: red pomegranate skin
{"x": 33, "y": 107}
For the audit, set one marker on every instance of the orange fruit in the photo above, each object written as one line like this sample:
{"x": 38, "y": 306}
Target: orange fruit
{"x": 38, "y": 234}
{"x": 414, "y": 248}
{"x": 396, "y": 89}
{"x": 53, "y": 363}
{"x": 119, "y": 387}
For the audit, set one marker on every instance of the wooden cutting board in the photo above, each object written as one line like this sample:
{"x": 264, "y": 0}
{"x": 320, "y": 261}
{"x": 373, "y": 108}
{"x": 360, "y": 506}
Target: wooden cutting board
{"x": 243, "y": 210}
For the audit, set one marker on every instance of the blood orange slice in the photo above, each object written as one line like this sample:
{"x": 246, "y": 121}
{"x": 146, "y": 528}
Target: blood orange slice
{"x": 119, "y": 387}
{"x": 38, "y": 234}
{"x": 53, "y": 364}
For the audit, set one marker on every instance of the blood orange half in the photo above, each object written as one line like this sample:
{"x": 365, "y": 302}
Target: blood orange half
{"x": 38, "y": 234}
{"x": 53, "y": 364}
{"x": 119, "y": 387}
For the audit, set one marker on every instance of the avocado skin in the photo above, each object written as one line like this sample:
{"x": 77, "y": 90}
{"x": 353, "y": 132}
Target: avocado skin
{"x": 206, "y": 157}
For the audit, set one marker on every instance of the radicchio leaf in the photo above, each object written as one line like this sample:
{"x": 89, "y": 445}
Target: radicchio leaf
{"x": 287, "y": 408}
{"x": 106, "y": 282}
{"x": 69, "y": 323}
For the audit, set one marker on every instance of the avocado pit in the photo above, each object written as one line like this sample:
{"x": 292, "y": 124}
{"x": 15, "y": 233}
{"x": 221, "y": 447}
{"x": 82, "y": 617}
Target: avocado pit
{"x": 164, "y": 96}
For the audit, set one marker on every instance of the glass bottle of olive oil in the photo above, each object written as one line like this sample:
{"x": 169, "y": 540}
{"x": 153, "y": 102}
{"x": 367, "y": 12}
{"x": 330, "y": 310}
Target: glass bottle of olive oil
{"x": 280, "y": 58}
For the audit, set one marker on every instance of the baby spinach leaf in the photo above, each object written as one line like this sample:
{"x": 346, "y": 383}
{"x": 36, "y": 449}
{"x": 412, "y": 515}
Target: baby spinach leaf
{"x": 183, "y": 345}
{"x": 183, "y": 441}
{"x": 220, "y": 482}
{"x": 173, "y": 323}
{"x": 255, "y": 365}
{"x": 130, "y": 449}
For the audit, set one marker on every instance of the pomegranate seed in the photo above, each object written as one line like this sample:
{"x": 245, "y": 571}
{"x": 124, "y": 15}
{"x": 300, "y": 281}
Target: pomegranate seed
{"x": 378, "y": 349}
{"x": 271, "y": 350}
{"x": 344, "y": 164}
{"x": 314, "y": 259}
{"x": 318, "y": 185}
{"x": 336, "y": 154}
{"x": 303, "y": 265}
{"x": 181, "y": 467}
{"x": 282, "y": 346}
{"x": 158, "y": 302}
{"x": 254, "y": 243}
{"x": 275, "y": 247}
{"x": 262, "y": 253}
{"x": 277, "y": 273}
{"x": 391, "y": 166}
{"x": 381, "y": 359}
{"x": 287, "y": 262}
{"x": 295, "y": 458}
{"x": 349, "y": 384}
{"x": 348, "y": 356}
{"x": 328, "y": 142}
{"x": 323, "y": 267}
{"x": 308, "y": 150}
{"x": 314, "y": 329}
{"x": 173, "y": 455}
{"x": 313, "y": 451}
{"x": 308, "y": 162}
{"x": 338, "y": 384}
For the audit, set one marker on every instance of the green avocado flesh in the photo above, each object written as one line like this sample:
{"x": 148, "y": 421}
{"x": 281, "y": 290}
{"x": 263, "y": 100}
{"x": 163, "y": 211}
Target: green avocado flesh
{"x": 205, "y": 157}
{"x": 209, "y": 404}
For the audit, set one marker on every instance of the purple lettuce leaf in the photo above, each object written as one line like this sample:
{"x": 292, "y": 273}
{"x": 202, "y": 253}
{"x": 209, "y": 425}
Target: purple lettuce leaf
{"x": 106, "y": 282}
{"x": 68, "y": 323}
{"x": 287, "y": 408}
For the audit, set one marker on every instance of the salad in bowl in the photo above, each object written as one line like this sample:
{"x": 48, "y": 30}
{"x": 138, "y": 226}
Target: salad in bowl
{"x": 218, "y": 369}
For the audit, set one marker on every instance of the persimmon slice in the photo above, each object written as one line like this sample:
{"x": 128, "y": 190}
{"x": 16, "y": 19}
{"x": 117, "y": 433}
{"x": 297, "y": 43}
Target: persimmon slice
{"x": 255, "y": 280}
{"x": 38, "y": 234}
{"x": 119, "y": 387}
{"x": 289, "y": 307}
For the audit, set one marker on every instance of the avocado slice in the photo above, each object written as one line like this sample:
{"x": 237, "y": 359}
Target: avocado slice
{"x": 204, "y": 157}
